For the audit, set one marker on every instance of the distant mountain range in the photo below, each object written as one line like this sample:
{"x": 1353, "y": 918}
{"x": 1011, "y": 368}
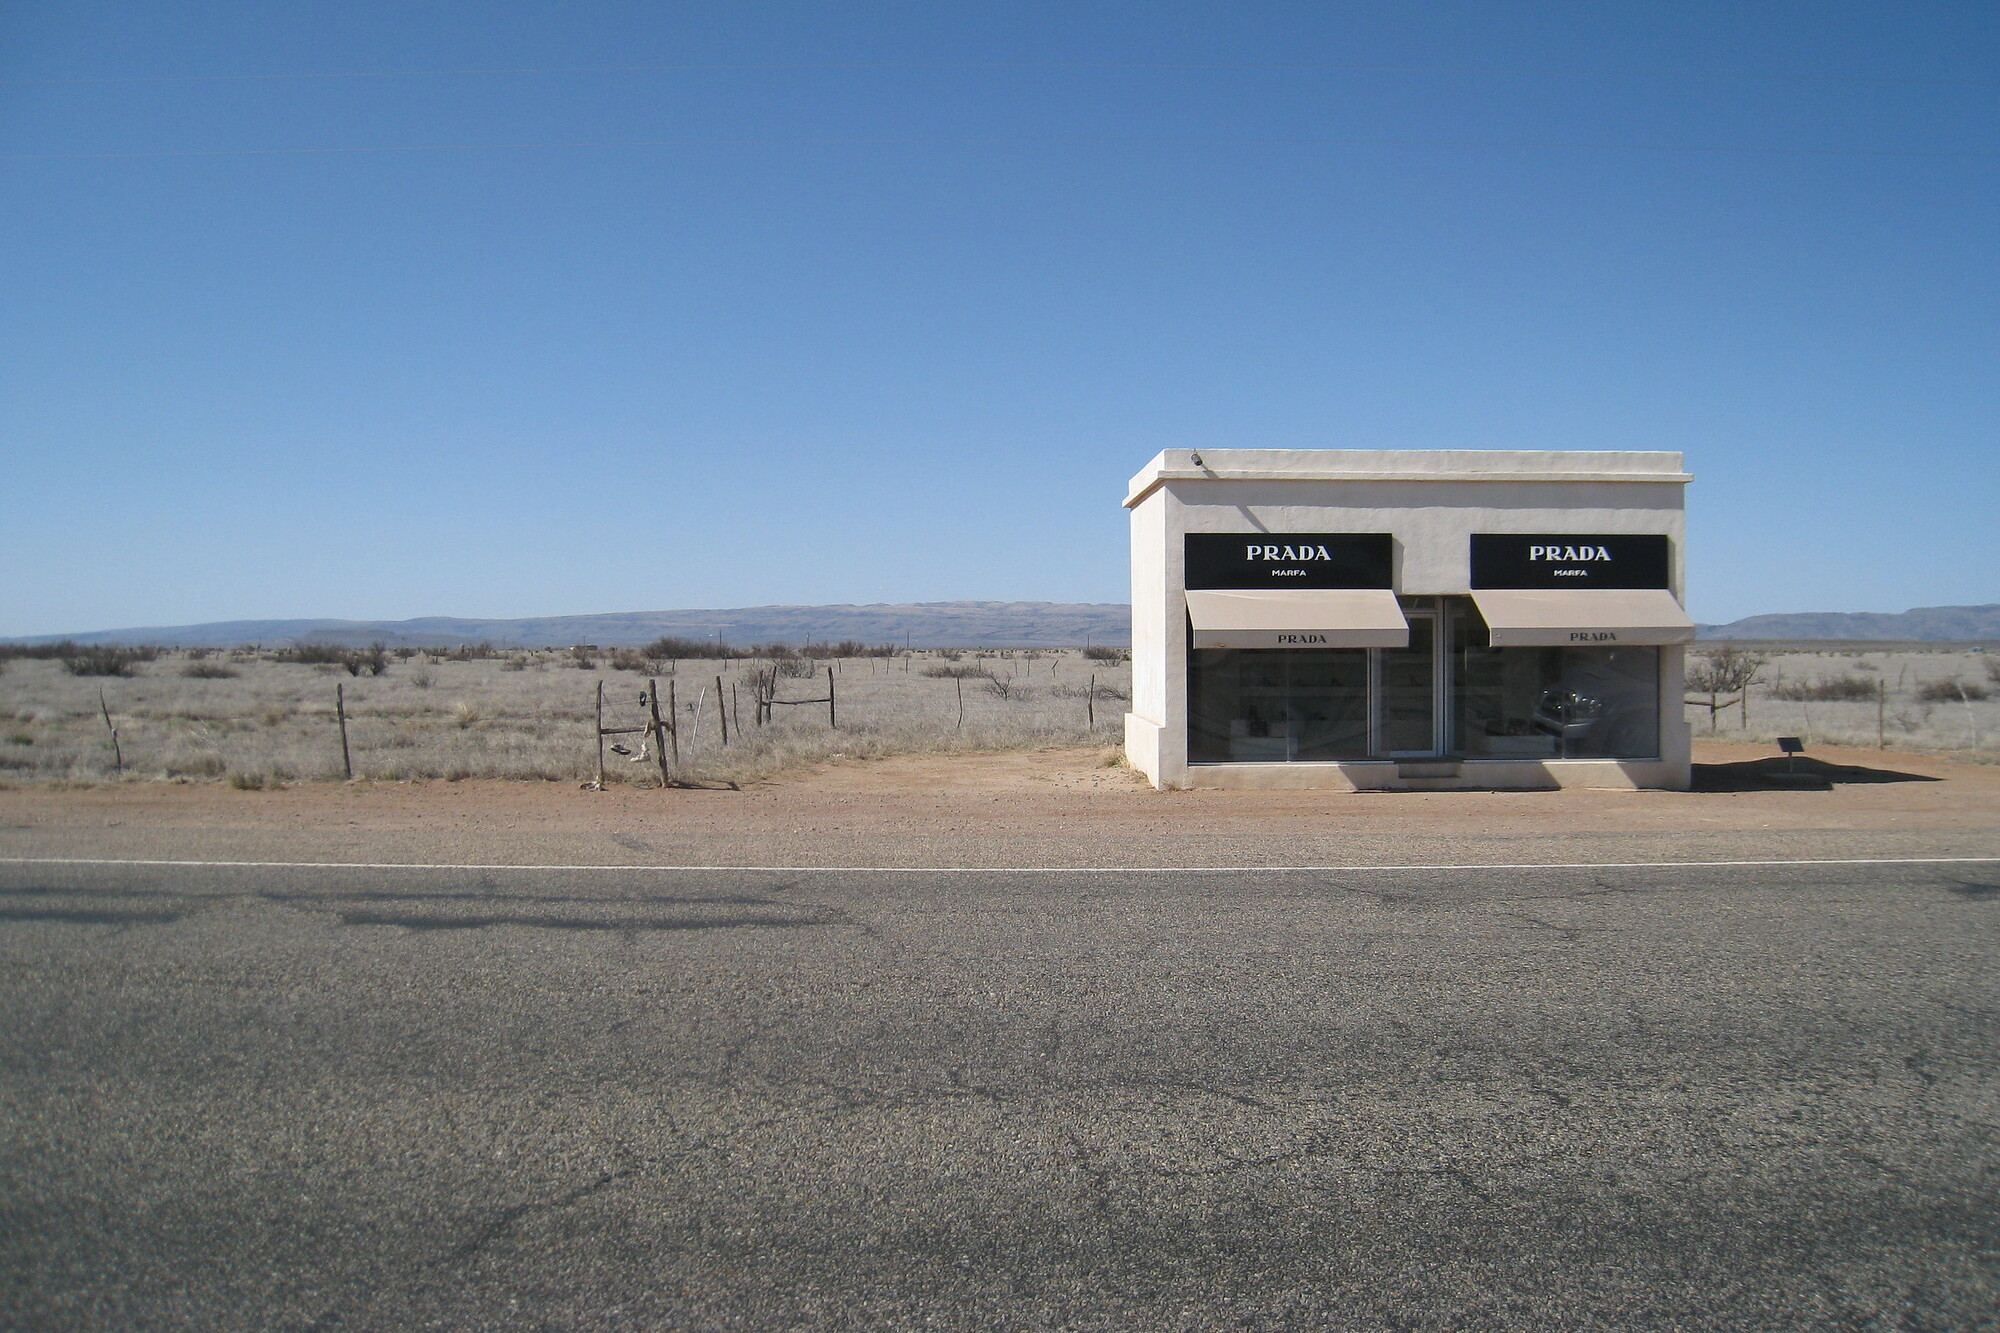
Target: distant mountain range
{"x": 1942, "y": 624}
{"x": 922, "y": 624}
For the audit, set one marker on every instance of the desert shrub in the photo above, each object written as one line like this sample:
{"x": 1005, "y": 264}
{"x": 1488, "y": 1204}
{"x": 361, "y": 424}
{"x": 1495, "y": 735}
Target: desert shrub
{"x": 1950, "y": 691}
{"x": 856, "y": 648}
{"x": 516, "y": 662}
{"x": 628, "y": 659}
{"x": 464, "y": 714}
{"x": 798, "y": 668}
{"x": 314, "y": 654}
{"x": 43, "y": 651}
{"x": 1993, "y": 670}
{"x": 1006, "y": 689}
{"x": 423, "y": 678}
{"x": 974, "y": 672}
{"x": 1099, "y": 691}
{"x": 583, "y": 656}
{"x": 102, "y": 659}
{"x": 374, "y": 659}
{"x": 1099, "y": 653}
{"x": 209, "y": 671}
{"x": 1830, "y": 689}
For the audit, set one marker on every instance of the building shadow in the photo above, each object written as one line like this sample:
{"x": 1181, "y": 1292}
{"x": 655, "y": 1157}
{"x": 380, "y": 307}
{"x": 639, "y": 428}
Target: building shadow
{"x": 1776, "y": 773}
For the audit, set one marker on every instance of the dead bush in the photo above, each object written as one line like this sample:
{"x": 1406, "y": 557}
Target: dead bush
{"x": 1830, "y": 689}
{"x": 1951, "y": 691}
{"x": 973, "y": 672}
{"x": 1723, "y": 671}
{"x": 100, "y": 659}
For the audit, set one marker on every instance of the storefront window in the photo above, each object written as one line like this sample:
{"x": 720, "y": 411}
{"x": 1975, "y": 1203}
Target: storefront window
{"x": 1274, "y": 706}
{"x": 1557, "y": 703}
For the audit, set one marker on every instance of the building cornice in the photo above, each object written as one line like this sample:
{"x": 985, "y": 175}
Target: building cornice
{"x": 1413, "y": 467}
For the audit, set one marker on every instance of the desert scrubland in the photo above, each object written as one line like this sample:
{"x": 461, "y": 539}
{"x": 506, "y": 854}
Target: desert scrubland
{"x": 1944, "y": 699}
{"x": 255, "y": 718}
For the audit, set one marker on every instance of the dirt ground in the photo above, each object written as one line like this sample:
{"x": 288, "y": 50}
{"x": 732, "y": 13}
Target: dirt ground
{"x": 1062, "y": 807}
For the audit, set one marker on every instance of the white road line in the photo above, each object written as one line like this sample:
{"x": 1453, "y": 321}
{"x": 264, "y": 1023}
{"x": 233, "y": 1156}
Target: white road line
{"x": 1006, "y": 870}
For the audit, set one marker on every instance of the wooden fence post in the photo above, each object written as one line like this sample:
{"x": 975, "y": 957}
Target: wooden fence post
{"x": 600, "y": 734}
{"x": 673, "y": 696}
{"x": 721, "y": 710}
{"x": 659, "y": 731}
{"x": 1090, "y": 702}
{"x": 832, "y": 723}
{"x": 117, "y": 754}
{"x": 340, "y": 712}
{"x": 736, "y": 706}
{"x": 960, "y": 682}
{"x": 1881, "y": 710}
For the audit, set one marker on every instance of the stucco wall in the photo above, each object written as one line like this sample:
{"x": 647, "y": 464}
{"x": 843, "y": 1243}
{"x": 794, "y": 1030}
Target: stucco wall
{"x": 1432, "y": 502}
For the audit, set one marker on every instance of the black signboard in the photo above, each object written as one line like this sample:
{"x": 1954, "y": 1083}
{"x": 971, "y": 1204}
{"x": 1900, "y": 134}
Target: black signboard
{"x": 1569, "y": 560}
{"x": 1290, "y": 560}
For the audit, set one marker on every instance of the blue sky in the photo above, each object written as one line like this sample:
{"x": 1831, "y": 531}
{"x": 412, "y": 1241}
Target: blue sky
{"x": 635, "y": 306}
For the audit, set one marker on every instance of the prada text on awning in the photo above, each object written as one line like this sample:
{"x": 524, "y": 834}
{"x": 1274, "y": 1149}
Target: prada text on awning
{"x": 1297, "y": 618}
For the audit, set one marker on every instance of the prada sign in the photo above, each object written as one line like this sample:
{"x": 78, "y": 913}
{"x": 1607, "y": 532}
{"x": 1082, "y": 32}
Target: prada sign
{"x": 1289, "y": 560}
{"x": 1569, "y": 560}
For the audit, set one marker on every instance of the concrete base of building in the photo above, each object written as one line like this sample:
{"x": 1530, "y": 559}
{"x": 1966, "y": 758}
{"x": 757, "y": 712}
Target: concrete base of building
{"x": 1436, "y": 775}
{"x": 1146, "y": 743}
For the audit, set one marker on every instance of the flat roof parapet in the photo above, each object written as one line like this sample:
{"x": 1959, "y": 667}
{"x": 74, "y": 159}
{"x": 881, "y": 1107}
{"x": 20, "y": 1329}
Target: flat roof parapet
{"x": 1406, "y": 465}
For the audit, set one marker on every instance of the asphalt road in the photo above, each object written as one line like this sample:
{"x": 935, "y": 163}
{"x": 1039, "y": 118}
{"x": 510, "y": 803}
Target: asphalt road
{"x": 1690, "y": 1098}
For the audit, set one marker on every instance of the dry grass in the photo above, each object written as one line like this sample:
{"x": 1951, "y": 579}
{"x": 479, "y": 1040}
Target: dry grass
{"x": 1829, "y": 698}
{"x": 528, "y": 715}
{"x": 522, "y": 715}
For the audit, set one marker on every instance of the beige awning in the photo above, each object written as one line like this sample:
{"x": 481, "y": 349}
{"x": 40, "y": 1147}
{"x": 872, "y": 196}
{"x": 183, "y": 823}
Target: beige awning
{"x": 1582, "y": 617}
{"x": 1298, "y": 618}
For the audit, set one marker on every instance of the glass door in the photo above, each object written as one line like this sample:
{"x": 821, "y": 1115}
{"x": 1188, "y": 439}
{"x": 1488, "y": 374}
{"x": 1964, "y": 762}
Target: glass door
{"x": 1407, "y": 691}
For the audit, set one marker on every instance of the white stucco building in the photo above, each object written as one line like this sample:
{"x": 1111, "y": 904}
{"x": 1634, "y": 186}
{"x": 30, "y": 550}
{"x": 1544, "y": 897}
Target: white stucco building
{"x": 1354, "y": 619}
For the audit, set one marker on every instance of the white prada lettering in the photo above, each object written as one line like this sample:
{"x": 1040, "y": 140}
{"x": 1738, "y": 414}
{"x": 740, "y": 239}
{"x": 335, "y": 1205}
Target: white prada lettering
{"x": 1287, "y": 553}
{"x": 1569, "y": 555}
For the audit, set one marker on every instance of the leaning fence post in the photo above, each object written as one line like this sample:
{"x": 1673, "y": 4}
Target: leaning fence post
{"x": 1090, "y": 702}
{"x": 722, "y": 710}
{"x": 831, "y": 723}
{"x": 340, "y": 712}
{"x": 600, "y": 734}
{"x": 117, "y": 754}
